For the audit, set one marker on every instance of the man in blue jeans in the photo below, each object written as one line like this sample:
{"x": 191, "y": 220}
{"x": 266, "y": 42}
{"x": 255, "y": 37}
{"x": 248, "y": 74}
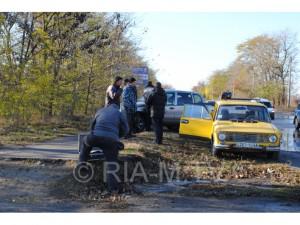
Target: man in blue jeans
{"x": 129, "y": 102}
{"x": 107, "y": 127}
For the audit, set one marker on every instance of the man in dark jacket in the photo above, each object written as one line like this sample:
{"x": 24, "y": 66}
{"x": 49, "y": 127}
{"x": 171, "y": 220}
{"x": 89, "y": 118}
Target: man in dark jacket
{"x": 157, "y": 101}
{"x": 114, "y": 92}
{"x": 129, "y": 103}
{"x": 147, "y": 91}
{"x": 122, "y": 109}
{"x": 107, "y": 127}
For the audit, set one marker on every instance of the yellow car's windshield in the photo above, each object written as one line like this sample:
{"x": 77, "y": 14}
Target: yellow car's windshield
{"x": 243, "y": 113}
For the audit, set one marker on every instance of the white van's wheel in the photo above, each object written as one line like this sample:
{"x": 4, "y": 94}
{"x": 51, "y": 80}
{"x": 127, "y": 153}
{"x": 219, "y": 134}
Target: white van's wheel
{"x": 297, "y": 124}
{"x": 139, "y": 122}
{"x": 272, "y": 116}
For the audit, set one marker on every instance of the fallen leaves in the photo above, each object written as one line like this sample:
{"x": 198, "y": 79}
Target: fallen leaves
{"x": 197, "y": 163}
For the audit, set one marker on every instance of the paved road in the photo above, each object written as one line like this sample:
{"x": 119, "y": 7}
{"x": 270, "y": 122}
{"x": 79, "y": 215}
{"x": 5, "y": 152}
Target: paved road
{"x": 61, "y": 148}
{"x": 67, "y": 147}
{"x": 290, "y": 139}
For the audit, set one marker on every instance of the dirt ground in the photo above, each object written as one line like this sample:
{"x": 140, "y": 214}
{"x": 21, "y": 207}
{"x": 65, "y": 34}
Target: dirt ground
{"x": 238, "y": 183}
{"x": 44, "y": 186}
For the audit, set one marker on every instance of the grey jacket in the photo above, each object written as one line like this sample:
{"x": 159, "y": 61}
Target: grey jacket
{"x": 109, "y": 122}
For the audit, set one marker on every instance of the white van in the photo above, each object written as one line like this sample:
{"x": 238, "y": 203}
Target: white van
{"x": 269, "y": 105}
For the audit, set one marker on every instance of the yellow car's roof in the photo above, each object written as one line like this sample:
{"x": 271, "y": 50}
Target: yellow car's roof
{"x": 238, "y": 102}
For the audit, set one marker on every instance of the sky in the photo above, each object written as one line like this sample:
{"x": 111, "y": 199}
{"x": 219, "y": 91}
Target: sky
{"x": 187, "y": 47}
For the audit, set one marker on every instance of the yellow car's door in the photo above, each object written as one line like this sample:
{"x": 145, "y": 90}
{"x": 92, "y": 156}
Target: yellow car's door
{"x": 196, "y": 121}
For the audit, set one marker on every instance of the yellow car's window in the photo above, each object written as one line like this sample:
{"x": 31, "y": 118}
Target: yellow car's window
{"x": 243, "y": 113}
{"x": 196, "y": 111}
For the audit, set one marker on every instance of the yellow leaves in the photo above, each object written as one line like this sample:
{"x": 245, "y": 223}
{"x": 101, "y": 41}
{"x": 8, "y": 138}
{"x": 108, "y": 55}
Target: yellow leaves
{"x": 260, "y": 69}
{"x": 2, "y": 17}
{"x": 256, "y": 42}
{"x": 43, "y": 37}
{"x": 217, "y": 83}
{"x": 39, "y": 32}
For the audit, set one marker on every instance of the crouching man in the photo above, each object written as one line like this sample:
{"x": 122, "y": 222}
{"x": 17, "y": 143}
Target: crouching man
{"x": 107, "y": 127}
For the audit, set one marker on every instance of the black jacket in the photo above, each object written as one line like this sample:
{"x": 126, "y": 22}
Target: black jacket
{"x": 157, "y": 101}
{"x": 147, "y": 92}
{"x": 113, "y": 95}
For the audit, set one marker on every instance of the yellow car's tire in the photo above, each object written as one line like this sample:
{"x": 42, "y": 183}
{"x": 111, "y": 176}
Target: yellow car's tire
{"x": 273, "y": 155}
{"x": 214, "y": 151}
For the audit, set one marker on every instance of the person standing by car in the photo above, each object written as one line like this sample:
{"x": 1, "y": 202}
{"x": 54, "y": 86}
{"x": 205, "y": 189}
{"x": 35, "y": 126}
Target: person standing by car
{"x": 114, "y": 92}
{"x": 147, "y": 91}
{"x": 122, "y": 109}
{"x": 157, "y": 102}
{"x": 129, "y": 102}
{"x": 107, "y": 127}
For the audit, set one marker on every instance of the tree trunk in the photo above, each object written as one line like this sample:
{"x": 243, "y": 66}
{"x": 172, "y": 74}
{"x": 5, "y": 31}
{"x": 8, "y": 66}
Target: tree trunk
{"x": 54, "y": 86}
{"x": 88, "y": 95}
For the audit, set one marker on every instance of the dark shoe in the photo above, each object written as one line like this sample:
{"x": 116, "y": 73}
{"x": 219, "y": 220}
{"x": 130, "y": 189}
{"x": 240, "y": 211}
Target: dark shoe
{"x": 106, "y": 195}
{"x": 130, "y": 136}
{"x": 157, "y": 143}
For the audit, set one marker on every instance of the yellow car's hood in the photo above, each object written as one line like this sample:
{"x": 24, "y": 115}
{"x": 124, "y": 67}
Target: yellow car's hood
{"x": 259, "y": 127}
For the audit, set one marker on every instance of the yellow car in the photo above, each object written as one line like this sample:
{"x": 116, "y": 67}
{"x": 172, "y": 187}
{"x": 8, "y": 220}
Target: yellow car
{"x": 232, "y": 125}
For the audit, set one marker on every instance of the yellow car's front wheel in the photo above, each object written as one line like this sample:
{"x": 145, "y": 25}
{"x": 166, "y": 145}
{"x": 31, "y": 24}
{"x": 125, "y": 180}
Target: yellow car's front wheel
{"x": 273, "y": 155}
{"x": 214, "y": 151}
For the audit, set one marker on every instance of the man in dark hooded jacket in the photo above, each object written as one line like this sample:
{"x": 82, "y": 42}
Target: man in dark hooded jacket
{"x": 157, "y": 102}
{"x": 147, "y": 92}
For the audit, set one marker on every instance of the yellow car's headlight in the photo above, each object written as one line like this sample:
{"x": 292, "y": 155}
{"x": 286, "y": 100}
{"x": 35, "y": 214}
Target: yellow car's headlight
{"x": 272, "y": 138}
{"x": 222, "y": 136}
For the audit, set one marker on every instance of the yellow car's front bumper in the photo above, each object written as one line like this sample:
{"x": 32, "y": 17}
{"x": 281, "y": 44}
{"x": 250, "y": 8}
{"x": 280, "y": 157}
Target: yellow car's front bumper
{"x": 232, "y": 147}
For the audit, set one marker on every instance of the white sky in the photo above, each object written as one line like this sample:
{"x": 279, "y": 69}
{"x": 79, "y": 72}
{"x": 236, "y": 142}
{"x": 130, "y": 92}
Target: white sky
{"x": 188, "y": 47}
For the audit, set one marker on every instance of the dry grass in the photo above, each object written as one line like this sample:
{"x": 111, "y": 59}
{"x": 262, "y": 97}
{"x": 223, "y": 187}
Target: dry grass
{"x": 228, "y": 177}
{"x": 195, "y": 161}
{"x": 233, "y": 191}
{"x": 38, "y": 132}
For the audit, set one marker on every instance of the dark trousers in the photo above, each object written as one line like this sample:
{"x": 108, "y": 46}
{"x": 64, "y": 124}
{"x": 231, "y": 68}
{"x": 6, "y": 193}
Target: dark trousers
{"x": 158, "y": 129}
{"x": 130, "y": 120}
{"x": 110, "y": 150}
{"x": 148, "y": 120}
